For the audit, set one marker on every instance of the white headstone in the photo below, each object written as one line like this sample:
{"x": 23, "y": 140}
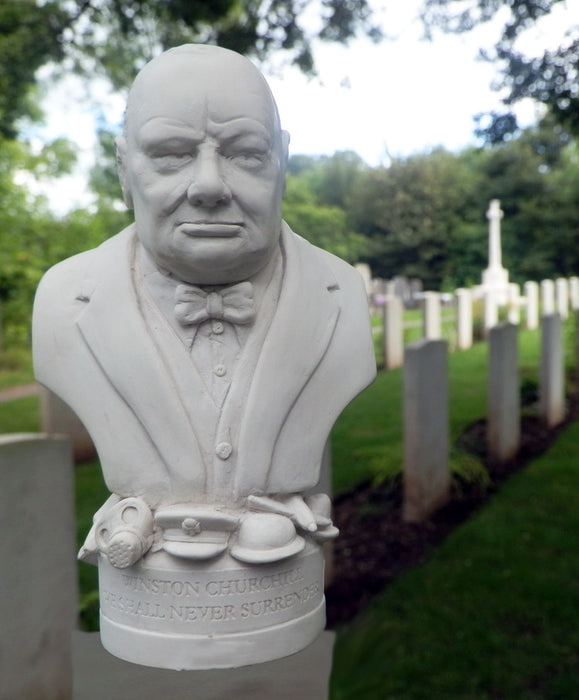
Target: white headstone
{"x": 532, "y": 305}
{"x": 513, "y": 302}
{"x": 37, "y": 564}
{"x": 463, "y": 318}
{"x": 574, "y": 292}
{"x": 426, "y": 440}
{"x": 393, "y": 340}
{"x": 491, "y": 311}
{"x": 431, "y": 315}
{"x": 552, "y": 371}
{"x": 562, "y": 297}
{"x": 366, "y": 274}
{"x": 504, "y": 404}
{"x": 547, "y": 297}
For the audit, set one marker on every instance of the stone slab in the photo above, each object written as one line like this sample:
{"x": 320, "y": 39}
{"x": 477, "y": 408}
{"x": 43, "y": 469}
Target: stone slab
{"x": 504, "y": 404}
{"x": 59, "y": 419}
{"x": 463, "y": 299}
{"x": 98, "y": 676}
{"x": 37, "y": 561}
{"x": 547, "y": 297}
{"x": 431, "y": 315}
{"x": 531, "y": 291}
{"x": 552, "y": 371}
{"x": 426, "y": 440}
{"x": 393, "y": 341}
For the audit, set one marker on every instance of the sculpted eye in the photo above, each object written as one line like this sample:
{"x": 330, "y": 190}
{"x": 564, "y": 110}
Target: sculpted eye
{"x": 171, "y": 161}
{"x": 249, "y": 159}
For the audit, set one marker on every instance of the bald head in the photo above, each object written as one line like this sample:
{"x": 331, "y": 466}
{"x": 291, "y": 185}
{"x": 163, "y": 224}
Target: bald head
{"x": 200, "y": 75}
{"x": 202, "y": 162}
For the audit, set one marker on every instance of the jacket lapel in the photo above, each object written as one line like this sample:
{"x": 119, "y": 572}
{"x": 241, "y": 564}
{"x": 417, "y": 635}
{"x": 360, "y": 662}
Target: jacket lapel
{"x": 130, "y": 358}
{"x": 296, "y": 343}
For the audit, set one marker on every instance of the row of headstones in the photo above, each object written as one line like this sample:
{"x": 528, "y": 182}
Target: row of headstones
{"x": 549, "y": 297}
{"x": 426, "y": 423}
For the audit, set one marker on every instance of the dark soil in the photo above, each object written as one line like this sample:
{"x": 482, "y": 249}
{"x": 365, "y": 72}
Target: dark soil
{"x": 375, "y": 545}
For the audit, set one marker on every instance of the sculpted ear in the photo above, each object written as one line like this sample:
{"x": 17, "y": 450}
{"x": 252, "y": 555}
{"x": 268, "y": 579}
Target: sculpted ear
{"x": 285, "y": 139}
{"x": 121, "y": 149}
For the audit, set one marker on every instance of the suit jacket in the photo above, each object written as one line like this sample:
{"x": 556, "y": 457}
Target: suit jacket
{"x": 133, "y": 385}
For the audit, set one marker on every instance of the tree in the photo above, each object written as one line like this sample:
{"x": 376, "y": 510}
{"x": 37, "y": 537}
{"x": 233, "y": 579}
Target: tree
{"x": 549, "y": 76}
{"x": 115, "y": 38}
{"x": 419, "y": 215}
{"x": 325, "y": 226}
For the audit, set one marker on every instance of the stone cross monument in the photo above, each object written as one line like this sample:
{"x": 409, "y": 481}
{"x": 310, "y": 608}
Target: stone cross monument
{"x": 208, "y": 350}
{"x": 495, "y": 279}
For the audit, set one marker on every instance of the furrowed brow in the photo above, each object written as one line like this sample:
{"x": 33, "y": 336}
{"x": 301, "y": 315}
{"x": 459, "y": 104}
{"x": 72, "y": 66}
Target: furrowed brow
{"x": 158, "y": 133}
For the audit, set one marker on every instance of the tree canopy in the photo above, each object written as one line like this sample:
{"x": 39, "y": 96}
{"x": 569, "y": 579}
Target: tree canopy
{"x": 546, "y": 75}
{"x": 115, "y": 38}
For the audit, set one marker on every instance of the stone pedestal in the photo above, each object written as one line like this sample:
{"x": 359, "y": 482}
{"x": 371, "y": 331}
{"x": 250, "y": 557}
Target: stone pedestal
{"x": 99, "y": 675}
{"x": 185, "y": 615}
{"x": 504, "y": 404}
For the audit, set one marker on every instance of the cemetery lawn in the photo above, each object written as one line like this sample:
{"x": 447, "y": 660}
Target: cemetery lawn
{"x": 493, "y": 614}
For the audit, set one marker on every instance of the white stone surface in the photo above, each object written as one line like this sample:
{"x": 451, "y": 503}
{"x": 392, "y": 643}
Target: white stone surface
{"x": 366, "y": 274}
{"x": 495, "y": 279}
{"x": 463, "y": 318}
{"x": 393, "y": 337}
{"x": 98, "y": 675}
{"x": 431, "y": 315}
{"x": 552, "y": 371}
{"x": 491, "y": 311}
{"x": 504, "y": 404}
{"x": 514, "y": 304}
{"x": 574, "y": 293}
{"x": 562, "y": 297}
{"x": 426, "y": 441}
{"x": 531, "y": 291}
{"x": 547, "y": 297}
{"x": 38, "y": 600}
{"x": 58, "y": 419}
{"x": 208, "y": 350}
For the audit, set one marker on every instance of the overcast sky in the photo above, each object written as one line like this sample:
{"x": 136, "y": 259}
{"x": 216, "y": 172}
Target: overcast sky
{"x": 400, "y": 97}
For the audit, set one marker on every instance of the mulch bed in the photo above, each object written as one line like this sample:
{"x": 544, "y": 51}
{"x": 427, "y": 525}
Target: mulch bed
{"x": 375, "y": 545}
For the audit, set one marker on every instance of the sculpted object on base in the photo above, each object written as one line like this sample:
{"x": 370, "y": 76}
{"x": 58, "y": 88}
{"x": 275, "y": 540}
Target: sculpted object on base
{"x": 208, "y": 350}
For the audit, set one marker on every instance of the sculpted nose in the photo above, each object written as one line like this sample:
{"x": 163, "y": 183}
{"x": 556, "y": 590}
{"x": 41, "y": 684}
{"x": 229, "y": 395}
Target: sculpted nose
{"x": 207, "y": 187}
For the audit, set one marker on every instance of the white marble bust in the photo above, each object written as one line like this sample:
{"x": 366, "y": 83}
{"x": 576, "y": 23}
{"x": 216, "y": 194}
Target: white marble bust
{"x": 207, "y": 348}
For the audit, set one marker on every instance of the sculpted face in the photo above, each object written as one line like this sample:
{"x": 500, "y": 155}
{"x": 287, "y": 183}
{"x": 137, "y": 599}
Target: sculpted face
{"x": 203, "y": 164}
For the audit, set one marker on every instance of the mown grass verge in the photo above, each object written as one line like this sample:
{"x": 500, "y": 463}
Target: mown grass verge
{"x": 493, "y": 614}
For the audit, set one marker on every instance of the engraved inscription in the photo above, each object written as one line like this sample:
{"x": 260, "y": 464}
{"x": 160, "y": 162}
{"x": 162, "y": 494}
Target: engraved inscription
{"x": 211, "y": 603}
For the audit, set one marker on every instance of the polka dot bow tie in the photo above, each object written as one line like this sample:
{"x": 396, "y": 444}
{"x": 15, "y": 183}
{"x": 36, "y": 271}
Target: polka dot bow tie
{"x": 194, "y": 305}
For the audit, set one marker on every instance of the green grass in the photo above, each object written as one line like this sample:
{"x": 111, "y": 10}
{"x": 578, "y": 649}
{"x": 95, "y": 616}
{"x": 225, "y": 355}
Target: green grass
{"x": 367, "y": 438}
{"x": 20, "y": 416}
{"x": 494, "y": 614}
{"x": 91, "y": 493}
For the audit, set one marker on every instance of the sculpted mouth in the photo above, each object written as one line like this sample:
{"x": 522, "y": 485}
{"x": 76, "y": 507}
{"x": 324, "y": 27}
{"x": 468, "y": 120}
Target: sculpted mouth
{"x": 210, "y": 229}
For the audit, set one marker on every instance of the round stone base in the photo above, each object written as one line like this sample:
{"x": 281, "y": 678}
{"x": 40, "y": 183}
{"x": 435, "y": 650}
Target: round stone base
{"x": 183, "y": 615}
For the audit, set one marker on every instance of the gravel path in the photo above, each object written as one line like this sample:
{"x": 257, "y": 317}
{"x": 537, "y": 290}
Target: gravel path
{"x": 19, "y": 392}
